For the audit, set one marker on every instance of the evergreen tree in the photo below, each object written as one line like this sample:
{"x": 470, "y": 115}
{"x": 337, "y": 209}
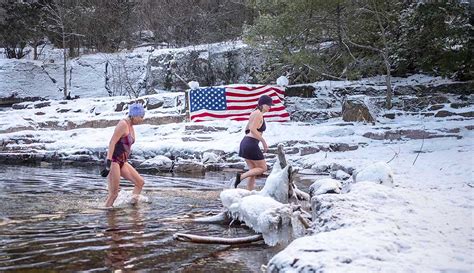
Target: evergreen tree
{"x": 293, "y": 33}
{"x": 435, "y": 38}
{"x": 23, "y": 24}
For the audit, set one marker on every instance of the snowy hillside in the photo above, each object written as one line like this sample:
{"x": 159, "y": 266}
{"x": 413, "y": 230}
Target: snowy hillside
{"x": 421, "y": 224}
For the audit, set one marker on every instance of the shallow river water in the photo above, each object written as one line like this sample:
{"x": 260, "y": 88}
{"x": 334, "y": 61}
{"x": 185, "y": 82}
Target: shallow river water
{"x": 50, "y": 218}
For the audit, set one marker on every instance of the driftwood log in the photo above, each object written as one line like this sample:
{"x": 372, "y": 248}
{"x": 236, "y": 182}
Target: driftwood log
{"x": 292, "y": 196}
{"x": 183, "y": 237}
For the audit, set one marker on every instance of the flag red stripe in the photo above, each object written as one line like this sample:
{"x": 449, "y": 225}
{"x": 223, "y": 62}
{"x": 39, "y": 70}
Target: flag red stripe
{"x": 244, "y": 119}
{"x": 206, "y": 114}
{"x": 230, "y": 93}
{"x": 284, "y": 119}
{"x": 275, "y": 101}
{"x": 252, "y": 107}
{"x": 218, "y": 115}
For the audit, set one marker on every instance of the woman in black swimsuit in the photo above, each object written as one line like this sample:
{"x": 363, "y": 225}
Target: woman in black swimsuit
{"x": 249, "y": 148}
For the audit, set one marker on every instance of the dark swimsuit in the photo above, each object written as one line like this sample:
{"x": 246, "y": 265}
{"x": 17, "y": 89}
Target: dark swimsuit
{"x": 249, "y": 148}
{"x": 123, "y": 148}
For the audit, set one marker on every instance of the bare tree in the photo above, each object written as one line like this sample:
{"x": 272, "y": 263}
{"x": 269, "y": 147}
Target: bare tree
{"x": 123, "y": 78}
{"x": 58, "y": 15}
{"x": 375, "y": 20}
{"x": 185, "y": 22}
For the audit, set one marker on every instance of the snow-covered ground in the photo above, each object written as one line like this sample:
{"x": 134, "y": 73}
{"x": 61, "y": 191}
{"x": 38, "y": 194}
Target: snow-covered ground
{"x": 423, "y": 224}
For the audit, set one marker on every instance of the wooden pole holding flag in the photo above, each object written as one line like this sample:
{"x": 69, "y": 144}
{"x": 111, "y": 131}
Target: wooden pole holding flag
{"x": 186, "y": 99}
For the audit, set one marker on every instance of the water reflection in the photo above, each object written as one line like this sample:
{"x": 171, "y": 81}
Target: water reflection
{"x": 118, "y": 254}
{"x": 49, "y": 220}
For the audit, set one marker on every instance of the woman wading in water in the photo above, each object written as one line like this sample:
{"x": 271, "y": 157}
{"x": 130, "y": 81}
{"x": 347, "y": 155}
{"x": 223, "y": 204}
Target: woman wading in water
{"x": 120, "y": 147}
{"x": 249, "y": 149}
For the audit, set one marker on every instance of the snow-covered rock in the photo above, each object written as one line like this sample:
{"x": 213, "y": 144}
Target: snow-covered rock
{"x": 193, "y": 84}
{"x": 340, "y": 175}
{"x": 159, "y": 162}
{"x": 282, "y": 81}
{"x": 325, "y": 185}
{"x": 208, "y": 157}
{"x": 379, "y": 172}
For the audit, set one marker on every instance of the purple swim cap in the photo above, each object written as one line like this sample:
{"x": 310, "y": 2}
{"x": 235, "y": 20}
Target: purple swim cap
{"x": 136, "y": 110}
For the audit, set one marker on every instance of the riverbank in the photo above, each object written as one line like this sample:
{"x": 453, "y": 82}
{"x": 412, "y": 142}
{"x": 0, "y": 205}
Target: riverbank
{"x": 421, "y": 224}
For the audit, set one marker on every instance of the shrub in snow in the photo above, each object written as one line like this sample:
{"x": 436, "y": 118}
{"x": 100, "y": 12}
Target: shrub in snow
{"x": 379, "y": 172}
{"x": 282, "y": 81}
{"x": 326, "y": 185}
{"x": 208, "y": 157}
{"x": 193, "y": 84}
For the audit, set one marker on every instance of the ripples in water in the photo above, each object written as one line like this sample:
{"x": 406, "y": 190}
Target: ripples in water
{"x": 50, "y": 219}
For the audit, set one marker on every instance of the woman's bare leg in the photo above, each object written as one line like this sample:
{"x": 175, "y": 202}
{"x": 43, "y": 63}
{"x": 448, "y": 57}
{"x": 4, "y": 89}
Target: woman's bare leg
{"x": 256, "y": 167}
{"x": 113, "y": 184}
{"x": 129, "y": 173}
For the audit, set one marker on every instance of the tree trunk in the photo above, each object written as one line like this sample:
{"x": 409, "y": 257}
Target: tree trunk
{"x": 385, "y": 56}
{"x": 388, "y": 83}
{"x": 35, "y": 51}
{"x": 65, "y": 91}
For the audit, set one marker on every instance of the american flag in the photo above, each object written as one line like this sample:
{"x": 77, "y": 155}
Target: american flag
{"x": 235, "y": 102}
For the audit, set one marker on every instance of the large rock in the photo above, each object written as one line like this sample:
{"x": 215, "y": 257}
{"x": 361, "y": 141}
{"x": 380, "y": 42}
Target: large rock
{"x": 417, "y": 103}
{"x": 210, "y": 65}
{"x": 189, "y": 166}
{"x": 379, "y": 172}
{"x": 355, "y": 109}
{"x": 304, "y": 91}
{"x": 324, "y": 186}
{"x": 159, "y": 163}
{"x": 460, "y": 88}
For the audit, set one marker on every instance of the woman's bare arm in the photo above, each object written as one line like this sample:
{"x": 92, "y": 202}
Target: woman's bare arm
{"x": 255, "y": 121}
{"x": 119, "y": 131}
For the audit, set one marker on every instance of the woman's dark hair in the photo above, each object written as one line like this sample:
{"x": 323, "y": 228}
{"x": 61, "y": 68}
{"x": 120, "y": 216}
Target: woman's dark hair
{"x": 259, "y": 107}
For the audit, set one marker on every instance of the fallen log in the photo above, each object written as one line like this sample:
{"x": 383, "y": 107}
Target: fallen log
{"x": 221, "y": 218}
{"x": 275, "y": 212}
{"x": 183, "y": 237}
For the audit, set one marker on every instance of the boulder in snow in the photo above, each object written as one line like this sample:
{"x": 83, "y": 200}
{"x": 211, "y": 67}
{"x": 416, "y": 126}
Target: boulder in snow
{"x": 208, "y": 157}
{"x": 355, "y": 109}
{"x": 340, "y": 175}
{"x": 193, "y": 84}
{"x": 326, "y": 185}
{"x": 188, "y": 166}
{"x": 154, "y": 103}
{"x": 379, "y": 172}
{"x": 159, "y": 163}
{"x": 282, "y": 81}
